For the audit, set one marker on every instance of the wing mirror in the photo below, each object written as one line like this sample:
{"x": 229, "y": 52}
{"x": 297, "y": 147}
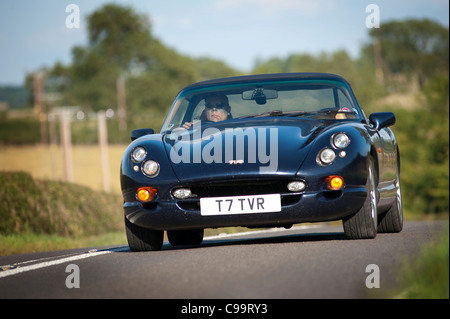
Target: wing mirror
{"x": 382, "y": 119}
{"x": 141, "y": 132}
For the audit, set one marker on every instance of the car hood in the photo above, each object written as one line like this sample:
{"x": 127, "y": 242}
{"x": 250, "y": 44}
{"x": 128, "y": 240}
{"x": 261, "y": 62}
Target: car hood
{"x": 240, "y": 149}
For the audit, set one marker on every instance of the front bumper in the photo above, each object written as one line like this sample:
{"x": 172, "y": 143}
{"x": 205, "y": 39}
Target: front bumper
{"x": 296, "y": 208}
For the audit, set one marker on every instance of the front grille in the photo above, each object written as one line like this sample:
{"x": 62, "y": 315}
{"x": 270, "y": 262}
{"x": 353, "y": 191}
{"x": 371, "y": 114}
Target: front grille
{"x": 234, "y": 188}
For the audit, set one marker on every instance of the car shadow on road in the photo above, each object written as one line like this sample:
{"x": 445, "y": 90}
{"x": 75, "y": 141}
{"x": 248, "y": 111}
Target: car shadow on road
{"x": 255, "y": 238}
{"x": 264, "y": 239}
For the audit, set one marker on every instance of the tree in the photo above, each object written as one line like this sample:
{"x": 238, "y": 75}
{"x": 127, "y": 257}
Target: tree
{"x": 120, "y": 36}
{"x": 412, "y": 48}
{"x": 119, "y": 45}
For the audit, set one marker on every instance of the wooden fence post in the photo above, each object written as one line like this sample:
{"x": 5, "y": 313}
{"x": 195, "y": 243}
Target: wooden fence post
{"x": 103, "y": 143}
{"x": 66, "y": 141}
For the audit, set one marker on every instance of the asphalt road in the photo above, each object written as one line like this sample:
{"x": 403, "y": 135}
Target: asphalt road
{"x": 302, "y": 262}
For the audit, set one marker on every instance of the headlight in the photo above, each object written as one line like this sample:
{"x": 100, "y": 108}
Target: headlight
{"x": 138, "y": 154}
{"x": 150, "y": 168}
{"x": 326, "y": 156}
{"x": 340, "y": 140}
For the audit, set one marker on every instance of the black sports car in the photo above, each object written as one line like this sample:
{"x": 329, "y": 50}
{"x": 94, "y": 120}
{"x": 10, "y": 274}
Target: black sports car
{"x": 262, "y": 151}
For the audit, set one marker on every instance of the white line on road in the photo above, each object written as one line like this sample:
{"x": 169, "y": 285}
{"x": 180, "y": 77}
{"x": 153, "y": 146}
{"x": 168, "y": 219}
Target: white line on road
{"x": 18, "y": 270}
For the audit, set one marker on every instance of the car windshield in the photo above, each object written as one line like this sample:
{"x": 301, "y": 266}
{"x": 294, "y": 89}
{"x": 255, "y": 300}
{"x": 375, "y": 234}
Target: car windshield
{"x": 316, "y": 99}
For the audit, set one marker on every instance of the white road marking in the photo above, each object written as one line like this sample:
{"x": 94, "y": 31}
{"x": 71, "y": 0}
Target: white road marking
{"x": 19, "y": 269}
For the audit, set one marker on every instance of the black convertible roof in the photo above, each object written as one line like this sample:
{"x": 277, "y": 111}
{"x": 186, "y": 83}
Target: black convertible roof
{"x": 267, "y": 77}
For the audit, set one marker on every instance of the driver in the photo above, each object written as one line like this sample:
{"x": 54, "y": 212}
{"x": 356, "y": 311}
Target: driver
{"x": 217, "y": 108}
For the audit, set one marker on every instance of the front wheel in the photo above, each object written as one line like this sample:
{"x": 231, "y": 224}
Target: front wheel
{"x": 143, "y": 239}
{"x": 363, "y": 224}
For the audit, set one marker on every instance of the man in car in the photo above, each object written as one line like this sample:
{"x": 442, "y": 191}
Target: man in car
{"x": 217, "y": 108}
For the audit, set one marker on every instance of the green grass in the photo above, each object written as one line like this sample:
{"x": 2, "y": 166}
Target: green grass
{"x": 48, "y": 207}
{"x": 39, "y": 214}
{"x": 31, "y": 243}
{"x": 427, "y": 276}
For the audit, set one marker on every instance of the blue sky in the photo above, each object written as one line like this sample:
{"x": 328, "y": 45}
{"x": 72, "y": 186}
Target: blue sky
{"x": 34, "y": 34}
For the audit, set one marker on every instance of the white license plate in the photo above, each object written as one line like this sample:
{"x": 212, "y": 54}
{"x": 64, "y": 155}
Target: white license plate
{"x": 240, "y": 204}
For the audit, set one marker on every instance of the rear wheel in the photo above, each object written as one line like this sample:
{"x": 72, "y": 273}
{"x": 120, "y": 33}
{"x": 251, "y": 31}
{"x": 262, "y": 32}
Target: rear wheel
{"x": 143, "y": 239}
{"x": 363, "y": 224}
{"x": 392, "y": 220}
{"x": 185, "y": 237}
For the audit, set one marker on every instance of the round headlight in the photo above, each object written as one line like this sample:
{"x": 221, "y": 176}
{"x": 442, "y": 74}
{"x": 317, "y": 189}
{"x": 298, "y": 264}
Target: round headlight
{"x": 150, "y": 168}
{"x": 326, "y": 156}
{"x": 138, "y": 154}
{"x": 341, "y": 140}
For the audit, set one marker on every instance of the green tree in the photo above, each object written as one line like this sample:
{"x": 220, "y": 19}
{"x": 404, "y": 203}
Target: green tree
{"x": 411, "y": 48}
{"x": 121, "y": 45}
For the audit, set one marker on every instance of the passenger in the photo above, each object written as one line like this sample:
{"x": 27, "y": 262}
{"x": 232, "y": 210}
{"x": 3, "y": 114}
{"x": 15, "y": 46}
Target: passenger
{"x": 342, "y": 116}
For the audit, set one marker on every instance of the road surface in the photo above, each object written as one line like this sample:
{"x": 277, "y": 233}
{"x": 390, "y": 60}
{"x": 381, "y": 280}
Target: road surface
{"x": 302, "y": 262}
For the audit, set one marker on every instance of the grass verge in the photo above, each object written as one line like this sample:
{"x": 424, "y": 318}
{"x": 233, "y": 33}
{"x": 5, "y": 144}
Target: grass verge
{"x": 31, "y": 243}
{"x": 427, "y": 276}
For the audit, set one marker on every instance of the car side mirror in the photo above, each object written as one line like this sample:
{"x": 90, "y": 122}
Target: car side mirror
{"x": 382, "y": 119}
{"x": 141, "y": 132}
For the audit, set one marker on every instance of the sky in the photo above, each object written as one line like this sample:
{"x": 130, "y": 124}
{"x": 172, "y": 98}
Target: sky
{"x": 34, "y": 34}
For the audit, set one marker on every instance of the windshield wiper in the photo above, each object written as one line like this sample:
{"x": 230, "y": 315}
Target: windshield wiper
{"x": 278, "y": 113}
{"x": 327, "y": 111}
{"x": 269, "y": 113}
{"x": 296, "y": 113}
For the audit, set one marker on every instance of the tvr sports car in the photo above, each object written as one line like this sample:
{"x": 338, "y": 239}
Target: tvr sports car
{"x": 262, "y": 151}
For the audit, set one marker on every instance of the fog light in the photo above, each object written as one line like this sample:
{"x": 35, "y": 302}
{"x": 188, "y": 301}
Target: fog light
{"x": 146, "y": 194}
{"x": 296, "y": 186}
{"x": 182, "y": 193}
{"x": 335, "y": 182}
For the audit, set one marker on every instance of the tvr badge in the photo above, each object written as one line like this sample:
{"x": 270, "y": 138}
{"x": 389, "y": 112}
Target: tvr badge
{"x": 232, "y": 162}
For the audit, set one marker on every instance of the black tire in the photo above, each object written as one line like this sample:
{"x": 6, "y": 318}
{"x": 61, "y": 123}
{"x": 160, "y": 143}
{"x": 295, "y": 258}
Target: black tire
{"x": 392, "y": 220}
{"x": 143, "y": 239}
{"x": 185, "y": 237}
{"x": 363, "y": 224}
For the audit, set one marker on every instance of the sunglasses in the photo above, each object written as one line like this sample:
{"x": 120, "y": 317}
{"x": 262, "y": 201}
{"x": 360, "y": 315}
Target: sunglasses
{"x": 218, "y": 105}
{"x": 223, "y": 111}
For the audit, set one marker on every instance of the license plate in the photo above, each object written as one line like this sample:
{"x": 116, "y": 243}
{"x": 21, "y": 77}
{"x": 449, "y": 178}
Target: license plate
{"x": 210, "y": 206}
